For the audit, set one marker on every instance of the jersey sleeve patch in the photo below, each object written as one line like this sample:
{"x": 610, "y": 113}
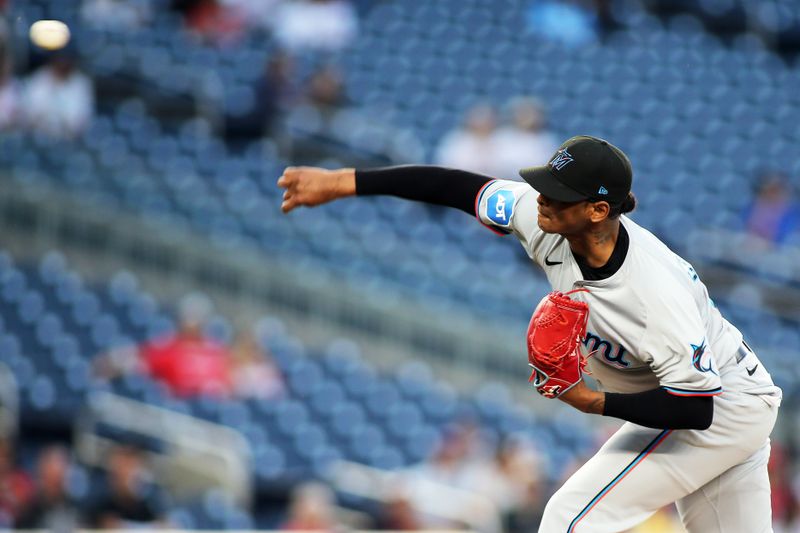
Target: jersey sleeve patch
{"x": 500, "y": 207}
{"x": 481, "y": 211}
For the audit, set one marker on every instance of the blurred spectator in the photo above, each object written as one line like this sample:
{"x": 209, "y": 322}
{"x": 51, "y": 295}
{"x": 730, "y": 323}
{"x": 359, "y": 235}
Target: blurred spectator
{"x": 527, "y": 514}
{"x": 784, "y": 501}
{"x": 774, "y": 213}
{"x": 523, "y": 143}
{"x": 116, "y": 14}
{"x": 313, "y": 119}
{"x": 16, "y": 487}
{"x": 507, "y": 476}
{"x": 315, "y": 24}
{"x": 481, "y": 147}
{"x": 462, "y": 461}
{"x": 190, "y": 362}
{"x": 275, "y": 95}
{"x": 129, "y": 499}
{"x": 791, "y": 520}
{"x": 276, "y": 91}
{"x": 312, "y": 508}
{"x": 253, "y": 373}
{"x": 214, "y": 22}
{"x": 571, "y": 22}
{"x": 59, "y": 99}
{"x": 471, "y": 146}
{"x": 398, "y": 514}
{"x": 52, "y": 508}
{"x": 326, "y": 92}
{"x": 451, "y": 461}
{"x": 10, "y": 104}
{"x": 257, "y": 13}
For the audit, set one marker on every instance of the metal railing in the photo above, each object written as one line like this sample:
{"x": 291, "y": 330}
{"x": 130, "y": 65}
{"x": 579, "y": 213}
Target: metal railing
{"x": 443, "y": 503}
{"x": 196, "y": 455}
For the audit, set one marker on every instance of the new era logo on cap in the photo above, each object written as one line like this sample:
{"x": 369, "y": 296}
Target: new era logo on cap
{"x": 562, "y": 159}
{"x": 602, "y": 190}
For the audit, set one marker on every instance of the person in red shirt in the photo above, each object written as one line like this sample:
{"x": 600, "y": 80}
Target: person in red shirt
{"x": 17, "y": 489}
{"x": 188, "y": 361}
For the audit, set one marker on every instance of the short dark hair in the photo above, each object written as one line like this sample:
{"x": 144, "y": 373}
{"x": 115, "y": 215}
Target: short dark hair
{"x": 627, "y": 205}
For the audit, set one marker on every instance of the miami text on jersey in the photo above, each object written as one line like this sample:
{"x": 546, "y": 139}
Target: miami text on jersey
{"x": 605, "y": 348}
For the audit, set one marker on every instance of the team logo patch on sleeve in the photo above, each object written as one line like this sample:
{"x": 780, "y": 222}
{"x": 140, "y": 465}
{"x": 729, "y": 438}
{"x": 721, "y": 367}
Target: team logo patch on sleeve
{"x": 500, "y": 207}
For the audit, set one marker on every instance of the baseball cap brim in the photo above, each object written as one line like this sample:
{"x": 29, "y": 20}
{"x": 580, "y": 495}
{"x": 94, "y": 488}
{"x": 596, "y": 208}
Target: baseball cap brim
{"x": 541, "y": 179}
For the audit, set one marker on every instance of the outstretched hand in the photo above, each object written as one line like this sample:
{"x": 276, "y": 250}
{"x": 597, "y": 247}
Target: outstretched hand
{"x": 312, "y": 186}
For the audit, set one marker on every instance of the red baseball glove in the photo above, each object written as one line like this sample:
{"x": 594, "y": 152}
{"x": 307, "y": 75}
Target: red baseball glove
{"x": 556, "y": 331}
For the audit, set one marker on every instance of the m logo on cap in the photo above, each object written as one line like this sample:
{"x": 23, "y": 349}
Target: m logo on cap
{"x": 562, "y": 159}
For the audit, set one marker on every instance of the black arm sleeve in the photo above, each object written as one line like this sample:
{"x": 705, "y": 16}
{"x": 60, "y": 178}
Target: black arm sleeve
{"x": 661, "y": 410}
{"x": 434, "y": 185}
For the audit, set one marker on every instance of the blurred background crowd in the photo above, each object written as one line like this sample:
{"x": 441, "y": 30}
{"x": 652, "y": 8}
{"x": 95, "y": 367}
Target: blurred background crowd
{"x": 174, "y": 352}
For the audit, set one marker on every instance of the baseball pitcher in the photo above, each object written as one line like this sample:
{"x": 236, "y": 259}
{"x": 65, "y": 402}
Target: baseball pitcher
{"x": 698, "y": 404}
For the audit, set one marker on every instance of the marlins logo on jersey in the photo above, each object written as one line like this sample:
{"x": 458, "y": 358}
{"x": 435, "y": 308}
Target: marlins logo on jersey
{"x": 697, "y": 358}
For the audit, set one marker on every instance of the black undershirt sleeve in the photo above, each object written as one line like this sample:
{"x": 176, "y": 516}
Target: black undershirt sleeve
{"x": 434, "y": 185}
{"x": 659, "y": 409}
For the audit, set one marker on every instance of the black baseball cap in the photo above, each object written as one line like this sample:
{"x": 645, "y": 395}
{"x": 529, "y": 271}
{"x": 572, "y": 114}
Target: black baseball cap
{"x": 583, "y": 168}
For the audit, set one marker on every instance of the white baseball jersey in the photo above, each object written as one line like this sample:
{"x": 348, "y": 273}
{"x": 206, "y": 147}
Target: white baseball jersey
{"x": 652, "y": 324}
